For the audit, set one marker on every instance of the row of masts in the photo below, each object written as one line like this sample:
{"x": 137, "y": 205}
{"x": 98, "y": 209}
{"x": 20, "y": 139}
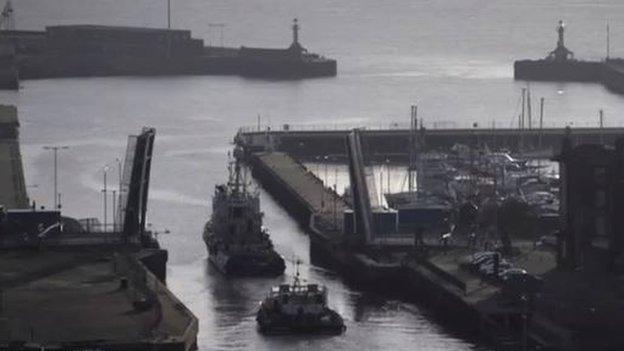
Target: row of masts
{"x": 525, "y": 120}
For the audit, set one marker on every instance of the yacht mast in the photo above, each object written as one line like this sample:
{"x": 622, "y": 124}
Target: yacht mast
{"x": 412, "y": 148}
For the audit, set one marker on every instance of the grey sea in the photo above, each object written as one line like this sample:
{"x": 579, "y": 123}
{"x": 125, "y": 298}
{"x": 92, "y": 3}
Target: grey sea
{"x": 452, "y": 57}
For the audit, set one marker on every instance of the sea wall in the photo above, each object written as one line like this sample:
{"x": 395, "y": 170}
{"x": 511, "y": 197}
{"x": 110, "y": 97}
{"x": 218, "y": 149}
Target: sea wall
{"x": 89, "y": 51}
{"x": 610, "y": 73}
{"x": 546, "y": 70}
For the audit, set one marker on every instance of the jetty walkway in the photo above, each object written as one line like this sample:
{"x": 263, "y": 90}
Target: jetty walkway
{"x": 306, "y": 196}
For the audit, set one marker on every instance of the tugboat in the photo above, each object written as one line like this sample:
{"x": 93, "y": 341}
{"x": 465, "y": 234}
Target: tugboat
{"x": 298, "y": 308}
{"x": 237, "y": 242}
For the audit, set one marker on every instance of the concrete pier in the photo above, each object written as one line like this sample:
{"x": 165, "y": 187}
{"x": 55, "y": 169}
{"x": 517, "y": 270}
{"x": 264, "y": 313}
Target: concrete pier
{"x": 304, "y": 192}
{"x": 393, "y": 144}
{"x": 609, "y": 73}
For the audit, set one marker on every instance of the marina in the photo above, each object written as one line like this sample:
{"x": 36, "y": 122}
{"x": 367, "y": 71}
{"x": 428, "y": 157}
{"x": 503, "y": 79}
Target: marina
{"x": 486, "y": 294}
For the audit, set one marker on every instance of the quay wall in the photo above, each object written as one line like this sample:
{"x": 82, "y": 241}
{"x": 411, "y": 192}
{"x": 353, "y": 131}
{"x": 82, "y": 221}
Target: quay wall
{"x": 100, "y": 65}
{"x": 9, "y": 78}
{"x": 170, "y": 309}
{"x": 89, "y": 51}
{"x": 155, "y": 260}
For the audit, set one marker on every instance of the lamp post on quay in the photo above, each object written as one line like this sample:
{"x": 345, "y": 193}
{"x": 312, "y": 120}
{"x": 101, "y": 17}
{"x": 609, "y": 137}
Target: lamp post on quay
{"x": 55, "y": 149}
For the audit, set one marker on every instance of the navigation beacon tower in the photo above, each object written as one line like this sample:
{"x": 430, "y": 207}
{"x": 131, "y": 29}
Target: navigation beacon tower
{"x": 561, "y": 53}
{"x": 295, "y": 46}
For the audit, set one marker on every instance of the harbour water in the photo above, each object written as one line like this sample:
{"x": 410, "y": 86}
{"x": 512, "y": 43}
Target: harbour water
{"x": 453, "y": 57}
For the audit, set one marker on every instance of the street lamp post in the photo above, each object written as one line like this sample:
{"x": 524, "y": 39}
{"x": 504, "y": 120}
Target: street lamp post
{"x": 117, "y": 211}
{"x": 55, "y": 149}
{"x": 105, "y": 192}
{"x": 388, "y": 173}
{"x": 114, "y": 213}
{"x": 335, "y": 196}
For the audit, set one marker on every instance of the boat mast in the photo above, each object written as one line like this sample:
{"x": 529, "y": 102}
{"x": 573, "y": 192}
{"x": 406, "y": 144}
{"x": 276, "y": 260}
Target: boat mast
{"x": 168, "y": 14}
{"x": 530, "y": 122}
{"x": 541, "y": 122}
{"x": 521, "y": 146}
{"x": 234, "y": 169}
{"x": 601, "y": 124}
{"x": 608, "y": 42}
{"x": 412, "y": 148}
{"x": 523, "y": 108}
{"x": 237, "y": 180}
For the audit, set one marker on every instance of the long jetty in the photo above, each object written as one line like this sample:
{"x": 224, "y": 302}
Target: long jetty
{"x": 308, "y": 199}
{"x": 393, "y": 144}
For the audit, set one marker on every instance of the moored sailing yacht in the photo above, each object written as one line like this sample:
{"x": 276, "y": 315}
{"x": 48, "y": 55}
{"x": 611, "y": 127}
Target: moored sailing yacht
{"x": 237, "y": 242}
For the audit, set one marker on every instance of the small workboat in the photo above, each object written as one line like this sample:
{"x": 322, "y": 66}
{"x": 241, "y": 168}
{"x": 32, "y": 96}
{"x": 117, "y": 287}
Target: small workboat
{"x": 298, "y": 308}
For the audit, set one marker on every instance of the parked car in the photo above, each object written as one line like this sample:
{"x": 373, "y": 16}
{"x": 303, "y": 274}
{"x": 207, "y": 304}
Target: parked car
{"x": 487, "y": 268}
